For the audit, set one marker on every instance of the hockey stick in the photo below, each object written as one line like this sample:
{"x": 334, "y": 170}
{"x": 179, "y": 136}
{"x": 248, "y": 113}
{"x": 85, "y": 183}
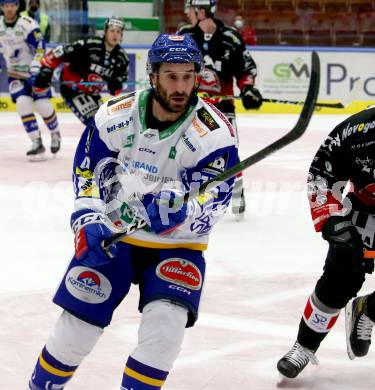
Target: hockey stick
{"x": 90, "y": 83}
{"x": 296, "y": 132}
{"x": 26, "y": 76}
{"x": 317, "y": 104}
{"x": 281, "y": 101}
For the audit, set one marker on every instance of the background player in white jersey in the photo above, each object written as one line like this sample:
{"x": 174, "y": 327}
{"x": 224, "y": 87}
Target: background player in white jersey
{"x": 159, "y": 143}
{"x": 23, "y": 46}
{"x": 222, "y": 47}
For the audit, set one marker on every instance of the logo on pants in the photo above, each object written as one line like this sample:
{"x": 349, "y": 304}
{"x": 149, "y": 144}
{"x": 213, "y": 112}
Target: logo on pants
{"x": 88, "y": 285}
{"x": 181, "y": 272}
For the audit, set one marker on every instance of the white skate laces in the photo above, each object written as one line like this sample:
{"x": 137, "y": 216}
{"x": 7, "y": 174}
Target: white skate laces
{"x": 300, "y": 356}
{"x": 364, "y": 328}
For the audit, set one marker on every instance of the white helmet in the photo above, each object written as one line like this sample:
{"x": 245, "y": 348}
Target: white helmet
{"x": 209, "y": 5}
{"x": 114, "y": 22}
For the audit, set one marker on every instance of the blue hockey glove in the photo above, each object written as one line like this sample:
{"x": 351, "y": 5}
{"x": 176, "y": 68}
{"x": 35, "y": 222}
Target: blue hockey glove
{"x": 88, "y": 249}
{"x": 251, "y": 97}
{"x": 165, "y": 211}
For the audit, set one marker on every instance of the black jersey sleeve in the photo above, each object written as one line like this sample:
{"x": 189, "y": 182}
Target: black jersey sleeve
{"x": 328, "y": 175}
{"x": 76, "y": 51}
{"x": 121, "y": 66}
{"x": 246, "y": 70}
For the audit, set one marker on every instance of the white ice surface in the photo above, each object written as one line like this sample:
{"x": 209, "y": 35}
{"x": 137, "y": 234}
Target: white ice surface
{"x": 260, "y": 272}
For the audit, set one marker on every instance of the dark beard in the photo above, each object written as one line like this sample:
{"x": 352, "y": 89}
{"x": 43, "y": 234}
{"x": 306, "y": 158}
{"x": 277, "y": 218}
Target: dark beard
{"x": 161, "y": 97}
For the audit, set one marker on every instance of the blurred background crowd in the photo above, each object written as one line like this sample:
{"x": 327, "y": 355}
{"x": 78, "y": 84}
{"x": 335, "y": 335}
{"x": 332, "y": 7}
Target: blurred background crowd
{"x": 260, "y": 22}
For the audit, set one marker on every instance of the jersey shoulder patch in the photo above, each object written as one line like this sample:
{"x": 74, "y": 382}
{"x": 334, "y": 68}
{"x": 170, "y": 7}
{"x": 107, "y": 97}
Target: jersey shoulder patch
{"x": 211, "y": 128}
{"x": 209, "y": 118}
{"x": 118, "y": 99}
{"x": 28, "y": 23}
{"x": 206, "y": 119}
{"x": 117, "y": 109}
{"x": 93, "y": 40}
{"x": 232, "y": 35}
{"x": 185, "y": 29}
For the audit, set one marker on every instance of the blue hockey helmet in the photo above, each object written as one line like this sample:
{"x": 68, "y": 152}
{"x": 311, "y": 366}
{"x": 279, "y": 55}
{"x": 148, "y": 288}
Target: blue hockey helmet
{"x": 16, "y": 2}
{"x": 174, "y": 49}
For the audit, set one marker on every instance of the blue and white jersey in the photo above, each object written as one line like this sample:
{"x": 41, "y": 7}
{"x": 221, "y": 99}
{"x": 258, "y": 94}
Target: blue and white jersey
{"x": 22, "y": 46}
{"x": 119, "y": 159}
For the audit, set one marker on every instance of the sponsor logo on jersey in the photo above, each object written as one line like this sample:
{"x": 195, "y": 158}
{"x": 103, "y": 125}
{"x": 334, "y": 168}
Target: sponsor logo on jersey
{"x": 89, "y": 189}
{"x": 218, "y": 165}
{"x": 201, "y": 131}
{"x": 37, "y": 35}
{"x": 120, "y": 98}
{"x": 88, "y": 285}
{"x": 332, "y": 142}
{"x": 119, "y": 126}
{"x": 206, "y": 118}
{"x": 188, "y": 143}
{"x": 172, "y": 153}
{"x": 202, "y": 224}
{"x": 86, "y": 173}
{"x": 357, "y": 128}
{"x": 146, "y": 150}
{"x": 180, "y": 272}
{"x": 14, "y": 57}
{"x": 121, "y": 106}
{"x": 147, "y": 167}
{"x": 129, "y": 141}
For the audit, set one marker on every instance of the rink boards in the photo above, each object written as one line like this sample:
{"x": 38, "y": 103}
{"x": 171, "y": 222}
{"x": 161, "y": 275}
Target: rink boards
{"x": 283, "y": 73}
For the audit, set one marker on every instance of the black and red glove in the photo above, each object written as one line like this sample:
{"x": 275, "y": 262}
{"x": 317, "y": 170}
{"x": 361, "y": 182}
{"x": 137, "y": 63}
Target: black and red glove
{"x": 251, "y": 97}
{"x": 114, "y": 86}
{"x": 43, "y": 78}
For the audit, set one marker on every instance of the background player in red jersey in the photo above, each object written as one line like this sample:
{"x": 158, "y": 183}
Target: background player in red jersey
{"x": 225, "y": 59}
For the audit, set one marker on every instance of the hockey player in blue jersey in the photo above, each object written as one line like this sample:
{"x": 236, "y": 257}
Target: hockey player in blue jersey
{"x": 152, "y": 145}
{"x": 23, "y": 46}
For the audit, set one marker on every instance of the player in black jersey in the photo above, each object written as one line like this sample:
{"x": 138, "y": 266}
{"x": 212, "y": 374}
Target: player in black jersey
{"x": 225, "y": 59}
{"x": 344, "y": 162}
{"x": 89, "y": 64}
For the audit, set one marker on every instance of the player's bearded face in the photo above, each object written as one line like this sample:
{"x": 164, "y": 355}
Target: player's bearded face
{"x": 175, "y": 84}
